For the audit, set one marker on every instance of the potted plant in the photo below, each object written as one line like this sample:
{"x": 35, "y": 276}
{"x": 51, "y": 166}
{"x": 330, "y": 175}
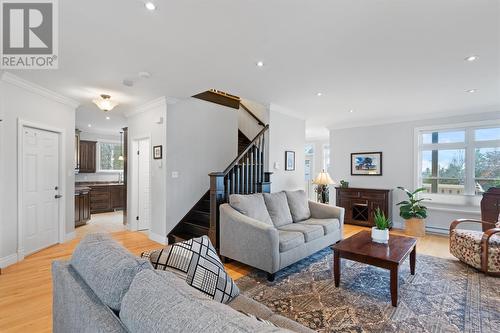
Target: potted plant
{"x": 413, "y": 212}
{"x": 380, "y": 233}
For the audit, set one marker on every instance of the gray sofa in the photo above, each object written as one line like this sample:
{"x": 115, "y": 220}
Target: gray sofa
{"x": 272, "y": 231}
{"x": 104, "y": 288}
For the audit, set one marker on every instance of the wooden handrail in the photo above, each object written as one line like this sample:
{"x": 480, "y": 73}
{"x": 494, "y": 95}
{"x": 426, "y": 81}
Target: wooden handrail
{"x": 260, "y": 122}
{"x": 240, "y": 156}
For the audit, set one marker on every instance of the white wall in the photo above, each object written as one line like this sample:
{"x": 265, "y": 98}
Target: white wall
{"x": 246, "y": 123}
{"x": 286, "y": 132}
{"x": 202, "y": 137}
{"x": 396, "y": 141}
{"x": 98, "y": 176}
{"x": 142, "y": 123}
{"x": 23, "y": 100}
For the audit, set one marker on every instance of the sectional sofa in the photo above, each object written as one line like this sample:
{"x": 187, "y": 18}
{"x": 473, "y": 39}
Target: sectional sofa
{"x": 104, "y": 288}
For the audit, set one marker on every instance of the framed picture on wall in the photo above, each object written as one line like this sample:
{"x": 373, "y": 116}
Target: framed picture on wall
{"x": 289, "y": 160}
{"x": 366, "y": 164}
{"x": 157, "y": 152}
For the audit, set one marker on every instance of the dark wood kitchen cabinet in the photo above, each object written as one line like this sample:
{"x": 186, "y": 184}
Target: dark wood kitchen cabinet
{"x": 106, "y": 198}
{"x": 82, "y": 206}
{"x": 87, "y": 156}
{"x": 361, "y": 203}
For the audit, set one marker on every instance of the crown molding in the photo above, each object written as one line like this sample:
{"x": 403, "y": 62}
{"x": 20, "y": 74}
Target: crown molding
{"x": 155, "y": 103}
{"x": 417, "y": 117}
{"x": 37, "y": 89}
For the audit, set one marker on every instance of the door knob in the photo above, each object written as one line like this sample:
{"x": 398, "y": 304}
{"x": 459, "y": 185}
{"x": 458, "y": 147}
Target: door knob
{"x": 57, "y": 196}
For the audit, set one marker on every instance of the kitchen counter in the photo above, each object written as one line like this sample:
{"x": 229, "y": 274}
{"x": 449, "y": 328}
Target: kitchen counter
{"x": 88, "y": 184}
{"x": 80, "y": 189}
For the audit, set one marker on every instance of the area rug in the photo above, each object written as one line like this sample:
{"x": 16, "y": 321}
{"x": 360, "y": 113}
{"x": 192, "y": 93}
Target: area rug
{"x": 443, "y": 296}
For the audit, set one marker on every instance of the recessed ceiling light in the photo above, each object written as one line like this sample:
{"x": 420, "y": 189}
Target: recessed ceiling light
{"x": 150, "y": 5}
{"x": 89, "y": 125}
{"x": 351, "y": 111}
{"x": 108, "y": 118}
{"x": 319, "y": 94}
{"x": 471, "y": 58}
{"x": 260, "y": 64}
{"x": 471, "y": 91}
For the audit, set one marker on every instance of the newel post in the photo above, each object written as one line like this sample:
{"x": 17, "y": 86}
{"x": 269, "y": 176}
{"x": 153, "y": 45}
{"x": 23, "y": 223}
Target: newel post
{"x": 217, "y": 197}
{"x": 265, "y": 186}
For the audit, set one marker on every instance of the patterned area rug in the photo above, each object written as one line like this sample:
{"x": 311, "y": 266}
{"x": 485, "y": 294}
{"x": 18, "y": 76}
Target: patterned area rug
{"x": 443, "y": 296}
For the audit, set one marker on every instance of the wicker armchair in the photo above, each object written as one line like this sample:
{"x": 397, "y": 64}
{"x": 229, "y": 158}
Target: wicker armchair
{"x": 479, "y": 249}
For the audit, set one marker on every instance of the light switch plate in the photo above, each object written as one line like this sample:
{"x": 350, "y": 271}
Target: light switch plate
{"x": 276, "y": 165}
{"x": 175, "y": 174}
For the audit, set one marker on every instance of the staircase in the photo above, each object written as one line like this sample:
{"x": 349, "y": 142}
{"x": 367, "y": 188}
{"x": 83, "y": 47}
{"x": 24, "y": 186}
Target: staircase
{"x": 244, "y": 175}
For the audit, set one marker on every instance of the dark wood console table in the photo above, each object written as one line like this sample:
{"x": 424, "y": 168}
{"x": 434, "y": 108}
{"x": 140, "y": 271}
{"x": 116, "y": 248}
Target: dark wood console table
{"x": 360, "y": 204}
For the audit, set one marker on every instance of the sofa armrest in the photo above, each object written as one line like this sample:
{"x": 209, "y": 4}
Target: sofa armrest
{"x": 247, "y": 240}
{"x": 323, "y": 211}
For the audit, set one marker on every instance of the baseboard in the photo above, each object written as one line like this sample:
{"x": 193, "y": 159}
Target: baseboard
{"x": 158, "y": 238}
{"x": 8, "y": 260}
{"x": 69, "y": 236}
{"x": 437, "y": 230}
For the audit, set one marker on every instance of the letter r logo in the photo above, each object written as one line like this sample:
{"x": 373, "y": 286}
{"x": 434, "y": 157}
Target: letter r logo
{"x": 27, "y": 28}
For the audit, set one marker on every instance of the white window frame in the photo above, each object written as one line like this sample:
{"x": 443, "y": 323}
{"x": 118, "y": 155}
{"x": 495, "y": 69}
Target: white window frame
{"x": 326, "y": 148}
{"x": 98, "y": 157}
{"x": 469, "y": 145}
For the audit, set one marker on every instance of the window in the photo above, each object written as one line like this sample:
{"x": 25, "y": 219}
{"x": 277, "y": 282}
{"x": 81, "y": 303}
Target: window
{"x": 326, "y": 157}
{"x": 459, "y": 161}
{"x": 109, "y": 153}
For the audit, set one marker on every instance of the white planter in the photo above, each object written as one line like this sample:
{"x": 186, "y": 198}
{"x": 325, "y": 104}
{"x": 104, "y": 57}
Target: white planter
{"x": 380, "y": 236}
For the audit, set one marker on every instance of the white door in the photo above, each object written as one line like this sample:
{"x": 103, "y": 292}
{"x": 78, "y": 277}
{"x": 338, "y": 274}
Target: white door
{"x": 143, "y": 184}
{"x": 40, "y": 183}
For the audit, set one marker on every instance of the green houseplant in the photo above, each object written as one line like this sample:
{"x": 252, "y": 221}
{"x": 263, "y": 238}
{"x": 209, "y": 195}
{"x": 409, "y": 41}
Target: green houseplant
{"x": 380, "y": 233}
{"x": 413, "y": 212}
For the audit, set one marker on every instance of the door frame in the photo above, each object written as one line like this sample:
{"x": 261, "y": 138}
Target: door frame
{"x": 21, "y": 124}
{"x": 132, "y": 182}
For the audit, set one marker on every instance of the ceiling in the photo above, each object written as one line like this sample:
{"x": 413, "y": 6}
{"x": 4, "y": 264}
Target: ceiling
{"x": 383, "y": 59}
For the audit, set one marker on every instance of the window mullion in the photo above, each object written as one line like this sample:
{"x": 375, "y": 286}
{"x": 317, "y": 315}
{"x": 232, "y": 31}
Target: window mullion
{"x": 470, "y": 184}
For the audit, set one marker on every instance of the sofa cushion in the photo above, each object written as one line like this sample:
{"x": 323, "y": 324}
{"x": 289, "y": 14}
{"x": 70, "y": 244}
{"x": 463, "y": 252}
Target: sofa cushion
{"x": 277, "y": 205}
{"x": 329, "y": 225}
{"x": 196, "y": 262}
{"x": 310, "y": 231}
{"x": 158, "y": 301}
{"x": 289, "y": 240}
{"x": 251, "y": 205}
{"x": 267, "y": 322}
{"x": 298, "y": 204}
{"x": 107, "y": 267}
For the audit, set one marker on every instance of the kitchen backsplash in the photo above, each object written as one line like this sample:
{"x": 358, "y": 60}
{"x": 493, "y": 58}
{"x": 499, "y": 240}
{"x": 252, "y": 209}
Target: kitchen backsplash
{"x": 97, "y": 177}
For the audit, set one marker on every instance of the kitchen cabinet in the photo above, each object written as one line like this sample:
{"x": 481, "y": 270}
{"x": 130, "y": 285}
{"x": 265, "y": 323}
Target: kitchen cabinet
{"x": 87, "y": 156}
{"x": 82, "y": 206}
{"x": 107, "y": 198}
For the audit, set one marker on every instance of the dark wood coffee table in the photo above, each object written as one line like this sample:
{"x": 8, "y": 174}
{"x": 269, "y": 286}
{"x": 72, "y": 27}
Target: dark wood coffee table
{"x": 361, "y": 248}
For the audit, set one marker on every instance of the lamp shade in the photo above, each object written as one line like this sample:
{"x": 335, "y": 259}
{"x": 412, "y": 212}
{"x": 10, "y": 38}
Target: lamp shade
{"x": 323, "y": 178}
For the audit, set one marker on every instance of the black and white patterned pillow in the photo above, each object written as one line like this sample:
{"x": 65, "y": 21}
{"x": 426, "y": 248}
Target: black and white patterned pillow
{"x": 196, "y": 261}
{"x": 267, "y": 322}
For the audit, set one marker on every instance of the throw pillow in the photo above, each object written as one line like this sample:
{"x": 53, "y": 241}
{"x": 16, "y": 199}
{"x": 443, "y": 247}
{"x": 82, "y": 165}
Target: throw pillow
{"x": 267, "y": 322}
{"x": 251, "y": 205}
{"x": 277, "y": 205}
{"x": 298, "y": 204}
{"x": 196, "y": 262}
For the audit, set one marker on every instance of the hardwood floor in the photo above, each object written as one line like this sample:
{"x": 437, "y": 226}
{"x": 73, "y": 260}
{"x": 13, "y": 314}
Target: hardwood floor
{"x": 26, "y": 287}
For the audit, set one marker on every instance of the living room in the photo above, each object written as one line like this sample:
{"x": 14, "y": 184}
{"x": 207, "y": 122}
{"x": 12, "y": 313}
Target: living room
{"x": 329, "y": 166}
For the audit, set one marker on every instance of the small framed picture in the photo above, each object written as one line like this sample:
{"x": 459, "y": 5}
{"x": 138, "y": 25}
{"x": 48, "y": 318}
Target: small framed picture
{"x": 289, "y": 160}
{"x": 157, "y": 152}
{"x": 366, "y": 164}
